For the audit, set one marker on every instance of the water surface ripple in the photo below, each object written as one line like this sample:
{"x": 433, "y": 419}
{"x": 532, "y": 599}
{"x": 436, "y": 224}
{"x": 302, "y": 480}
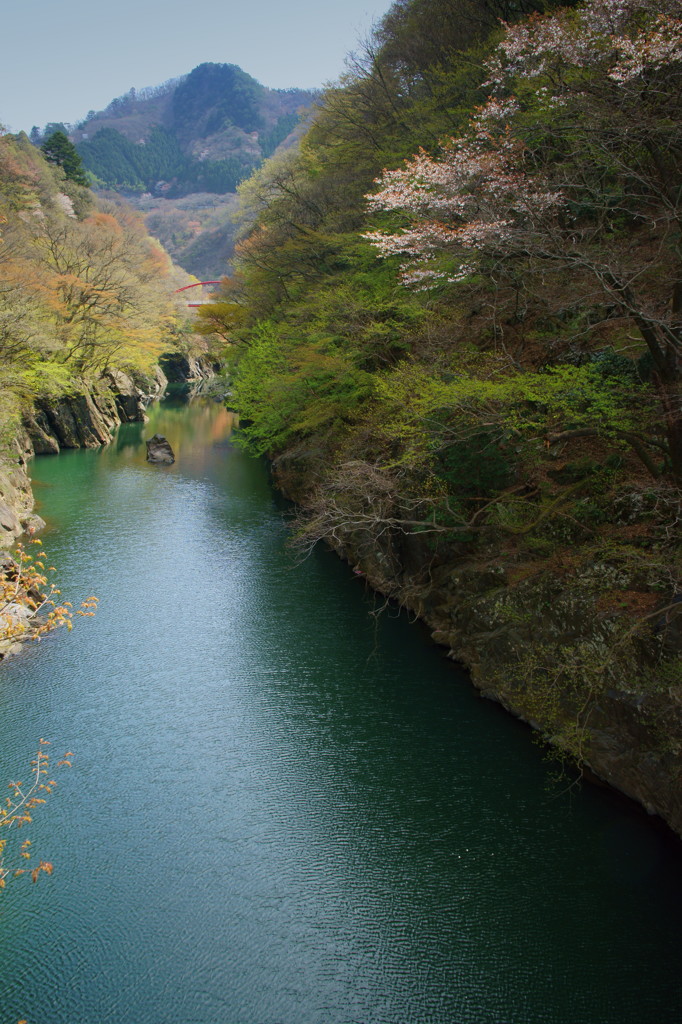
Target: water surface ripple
{"x": 284, "y": 810}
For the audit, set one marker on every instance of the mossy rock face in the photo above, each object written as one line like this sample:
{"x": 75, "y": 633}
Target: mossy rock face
{"x": 62, "y": 423}
{"x": 40, "y": 432}
{"x": 602, "y": 688}
{"x": 127, "y": 395}
{"x": 10, "y": 527}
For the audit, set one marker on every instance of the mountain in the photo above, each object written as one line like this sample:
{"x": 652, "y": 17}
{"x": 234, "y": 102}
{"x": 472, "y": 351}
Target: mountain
{"x": 203, "y": 132}
{"x": 178, "y": 151}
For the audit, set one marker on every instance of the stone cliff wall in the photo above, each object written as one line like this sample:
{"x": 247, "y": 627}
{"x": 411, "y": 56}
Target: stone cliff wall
{"x": 88, "y": 419}
{"x": 179, "y": 368}
{"x": 16, "y": 499}
{"x": 83, "y": 419}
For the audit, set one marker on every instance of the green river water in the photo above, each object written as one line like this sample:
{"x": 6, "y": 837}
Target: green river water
{"x": 284, "y": 809}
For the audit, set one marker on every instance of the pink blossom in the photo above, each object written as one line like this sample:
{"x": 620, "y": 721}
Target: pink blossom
{"x": 481, "y": 194}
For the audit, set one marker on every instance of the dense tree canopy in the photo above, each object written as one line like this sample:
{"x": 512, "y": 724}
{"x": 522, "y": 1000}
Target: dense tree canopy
{"x": 457, "y": 314}
{"x": 533, "y": 242}
{"x": 573, "y": 165}
{"x": 118, "y": 163}
{"x": 82, "y": 286}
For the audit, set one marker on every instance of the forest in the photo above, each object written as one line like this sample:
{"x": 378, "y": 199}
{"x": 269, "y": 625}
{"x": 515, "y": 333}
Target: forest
{"x": 205, "y": 132}
{"x": 83, "y": 287}
{"x": 456, "y": 319}
{"x": 453, "y": 325}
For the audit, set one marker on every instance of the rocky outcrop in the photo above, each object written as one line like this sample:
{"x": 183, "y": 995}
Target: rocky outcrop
{"x": 13, "y": 615}
{"x": 606, "y": 705}
{"x": 16, "y": 499}
{"x": 133, "y": 394}
{"x": 83, "y": 419}
{"x": 180, "y": 368}
{"x": 88, "y": 419}
{"x": 129, "y": 398}
{"x": 159, "y": 450}
{"x": 152, "y": 385}
{"x": 22, "y": 600}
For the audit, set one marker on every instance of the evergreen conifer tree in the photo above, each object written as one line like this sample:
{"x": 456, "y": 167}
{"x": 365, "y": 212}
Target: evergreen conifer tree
{"x": 59, "y": 150}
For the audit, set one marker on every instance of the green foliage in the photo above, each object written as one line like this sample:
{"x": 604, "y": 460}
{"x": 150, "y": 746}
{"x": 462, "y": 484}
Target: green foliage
{"x": 303, "y": 265}
{"x": 220, "y": 318}
{"x": 46, "y": 379}
{"x": 269, "y": 140}
{"x": 428, "y": 411}
{"x": 476, "y": 466}
{"x": 463, "y": 391}
{"x": 287, "y": 390}
{"x": 258, "y": 392}
{"x": 60, "y": 151}
{"x": 611, "y": 365}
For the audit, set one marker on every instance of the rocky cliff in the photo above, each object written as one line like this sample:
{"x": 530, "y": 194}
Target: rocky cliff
{"x": 85, "y": 418}
{"x": 16, "y": 499}
{"x": 88, "y": 418}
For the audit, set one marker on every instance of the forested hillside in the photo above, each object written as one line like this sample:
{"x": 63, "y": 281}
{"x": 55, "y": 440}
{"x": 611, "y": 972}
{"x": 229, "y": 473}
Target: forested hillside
{"x": 457, "y": 323}
{"x": 83, "y": 288}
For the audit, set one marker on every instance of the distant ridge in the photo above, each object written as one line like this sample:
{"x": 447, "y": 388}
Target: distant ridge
{"x": 177, "y": 152}
{"x": 202, "y": 132}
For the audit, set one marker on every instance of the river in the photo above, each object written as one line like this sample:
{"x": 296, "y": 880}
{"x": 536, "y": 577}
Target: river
{"x": 284, "y": 809}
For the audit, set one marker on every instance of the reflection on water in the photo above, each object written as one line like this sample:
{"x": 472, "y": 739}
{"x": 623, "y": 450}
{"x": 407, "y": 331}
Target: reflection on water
{"x": 282, "y": 810}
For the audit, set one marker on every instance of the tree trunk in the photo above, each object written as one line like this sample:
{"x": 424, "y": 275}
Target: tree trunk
{"x": 670, "y": 394}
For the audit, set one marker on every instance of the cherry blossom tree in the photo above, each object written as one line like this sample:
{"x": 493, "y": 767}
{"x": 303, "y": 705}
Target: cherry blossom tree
{"x": 573, "y": 165}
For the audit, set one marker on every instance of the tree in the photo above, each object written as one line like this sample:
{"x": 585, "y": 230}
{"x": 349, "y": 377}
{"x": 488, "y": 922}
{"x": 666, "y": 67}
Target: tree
{"x": 30, "y": 605}
{"x": 59, "y": 150}
{"x": 80, "y": 283}
{"x": 573, "y": 165}
{"x": 105, "y": 281}
{"x": 16, "y": 812}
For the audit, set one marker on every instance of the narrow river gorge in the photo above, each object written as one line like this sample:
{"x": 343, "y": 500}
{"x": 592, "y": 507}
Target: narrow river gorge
{"x": 283, "y": 808}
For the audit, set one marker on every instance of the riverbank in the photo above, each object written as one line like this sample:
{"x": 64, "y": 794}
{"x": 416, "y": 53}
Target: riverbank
{"x": 580, "y": 640}
{"x": 578, "y": 636}
{"x": 85, "y": 417}
{"x": 388, "y": 842}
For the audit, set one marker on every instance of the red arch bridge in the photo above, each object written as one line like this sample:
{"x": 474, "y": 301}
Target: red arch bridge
{"x": 197, "y": 284}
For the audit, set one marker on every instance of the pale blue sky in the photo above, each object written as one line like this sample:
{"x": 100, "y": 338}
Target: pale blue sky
{"x": 63, "y": 57}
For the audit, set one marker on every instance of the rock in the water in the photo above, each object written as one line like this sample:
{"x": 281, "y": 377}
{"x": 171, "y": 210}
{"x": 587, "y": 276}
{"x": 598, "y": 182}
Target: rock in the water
{"x": 159, "y": 450}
